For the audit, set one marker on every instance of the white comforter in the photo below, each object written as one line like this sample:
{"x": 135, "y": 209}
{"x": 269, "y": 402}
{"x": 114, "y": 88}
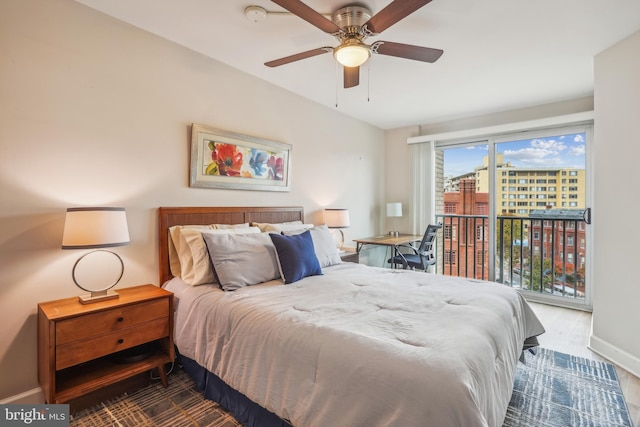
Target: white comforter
{"x": 362, "y": 346}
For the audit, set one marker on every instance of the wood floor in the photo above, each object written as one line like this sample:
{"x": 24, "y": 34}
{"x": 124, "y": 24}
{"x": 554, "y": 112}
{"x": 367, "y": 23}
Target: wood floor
{"x": 567, "y": 331}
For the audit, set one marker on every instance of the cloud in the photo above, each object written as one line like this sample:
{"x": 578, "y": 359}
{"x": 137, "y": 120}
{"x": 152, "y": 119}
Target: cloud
{"x": 548, "y": 144}
{"x": 578, "y": 150}
{"x": 578, "y": 138}
{"x": 534, "y": 156}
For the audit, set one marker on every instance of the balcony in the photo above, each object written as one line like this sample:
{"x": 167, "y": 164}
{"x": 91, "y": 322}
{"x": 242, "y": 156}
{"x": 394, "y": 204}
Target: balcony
{"x": 543, "y": 252}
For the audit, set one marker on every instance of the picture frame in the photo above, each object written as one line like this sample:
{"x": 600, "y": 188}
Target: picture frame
{"x": 224, "y": 159}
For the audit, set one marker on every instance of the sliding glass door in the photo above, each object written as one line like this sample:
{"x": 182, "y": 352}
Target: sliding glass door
{"x": 514, "y": 209}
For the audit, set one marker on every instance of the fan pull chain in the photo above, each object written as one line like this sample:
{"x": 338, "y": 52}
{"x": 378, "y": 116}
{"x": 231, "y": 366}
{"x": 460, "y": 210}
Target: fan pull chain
{"x": 368, "y": 81}
{"x": 337, "y": 68}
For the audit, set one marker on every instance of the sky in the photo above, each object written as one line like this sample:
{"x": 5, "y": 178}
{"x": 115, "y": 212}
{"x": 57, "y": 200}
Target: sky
{"x": 564, "y": 151}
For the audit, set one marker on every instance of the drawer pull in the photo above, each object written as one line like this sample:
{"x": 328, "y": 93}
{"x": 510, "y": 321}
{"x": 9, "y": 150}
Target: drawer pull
{"x": 120, "y": 319}
{"x": 120, "y": 341}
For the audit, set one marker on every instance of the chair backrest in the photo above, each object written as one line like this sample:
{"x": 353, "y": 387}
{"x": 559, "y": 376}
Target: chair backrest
{"x": 427, "y": 245}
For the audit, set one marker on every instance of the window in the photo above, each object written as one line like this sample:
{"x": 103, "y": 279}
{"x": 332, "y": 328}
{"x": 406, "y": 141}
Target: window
{"x": 449, "y": 208}
{"x": 480, "y": 257}
{"x": 449, "y": 257}
{"x": 526, "y": 188}
{"x": 573, "y": 204}
{"x": 450, "y": 232}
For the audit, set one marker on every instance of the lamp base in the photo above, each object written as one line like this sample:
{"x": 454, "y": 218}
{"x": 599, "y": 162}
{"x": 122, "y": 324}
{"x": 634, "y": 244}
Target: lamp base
{"x": 98, "y": 296}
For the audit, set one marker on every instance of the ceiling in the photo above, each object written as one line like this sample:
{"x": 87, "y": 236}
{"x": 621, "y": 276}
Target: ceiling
{"x": 498, "y": 54}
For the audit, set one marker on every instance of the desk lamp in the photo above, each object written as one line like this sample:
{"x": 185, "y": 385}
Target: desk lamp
{"x": 394, "y": 210}
{"x": 96, "y": 228}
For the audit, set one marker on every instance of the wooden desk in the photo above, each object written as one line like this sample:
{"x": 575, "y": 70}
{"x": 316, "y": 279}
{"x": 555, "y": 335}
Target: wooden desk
{"x": 387, "y": 240}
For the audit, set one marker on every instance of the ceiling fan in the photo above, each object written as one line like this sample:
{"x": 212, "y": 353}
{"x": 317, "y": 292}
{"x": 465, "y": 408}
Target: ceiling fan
{"x": 351, "y": 25}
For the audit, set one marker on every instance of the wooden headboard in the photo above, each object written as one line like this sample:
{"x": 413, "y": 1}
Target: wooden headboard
{"x": 168, "y": 217}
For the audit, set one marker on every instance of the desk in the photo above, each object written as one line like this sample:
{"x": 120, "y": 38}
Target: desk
{"x": 387, "y": 240}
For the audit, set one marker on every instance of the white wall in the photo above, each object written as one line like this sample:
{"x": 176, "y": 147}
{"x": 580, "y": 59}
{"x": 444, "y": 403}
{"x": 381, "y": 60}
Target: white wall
{"x": 96, "y": 112}
{"x": 616, "y": 296}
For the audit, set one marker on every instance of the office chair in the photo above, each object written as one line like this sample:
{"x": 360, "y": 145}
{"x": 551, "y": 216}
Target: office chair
{"x": 421, "y": 257}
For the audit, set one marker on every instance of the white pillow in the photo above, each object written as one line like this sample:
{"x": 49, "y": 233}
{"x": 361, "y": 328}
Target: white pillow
{"x": 242, "y": 259}
{"x": 176, "y": 253}
{"x": 195, "y": 265}
{"x": 280, "y": 226}
{"x": 324, "y": 245}
{"x": 228, "y": 226}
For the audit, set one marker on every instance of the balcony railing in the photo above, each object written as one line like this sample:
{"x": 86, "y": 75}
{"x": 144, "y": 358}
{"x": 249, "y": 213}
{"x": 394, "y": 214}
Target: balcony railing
{"x": 544, "y": 252}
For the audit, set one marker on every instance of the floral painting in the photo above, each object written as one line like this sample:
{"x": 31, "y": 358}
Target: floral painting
{"x": 227, "y": 160}
{"x": 234, "y": 160}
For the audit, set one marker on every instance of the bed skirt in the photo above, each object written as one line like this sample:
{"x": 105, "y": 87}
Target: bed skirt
{"x": 245, "y": 410}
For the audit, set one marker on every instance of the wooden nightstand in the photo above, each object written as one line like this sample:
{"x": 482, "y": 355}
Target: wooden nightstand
{"x": 77, "y": 342}
{"x": 348, "y": 256}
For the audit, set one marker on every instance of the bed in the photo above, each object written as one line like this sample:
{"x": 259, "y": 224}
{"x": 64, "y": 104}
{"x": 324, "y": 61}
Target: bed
{"x": 349, "y": 345}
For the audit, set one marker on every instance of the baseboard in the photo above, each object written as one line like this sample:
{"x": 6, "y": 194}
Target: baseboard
{"x": 33, "y": 396}
{"x": 614, "y": 354}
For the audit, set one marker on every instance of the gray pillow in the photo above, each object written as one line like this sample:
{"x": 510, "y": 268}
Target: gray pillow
{"x": 242, "y": 259}
{"x": 324, "y": 245}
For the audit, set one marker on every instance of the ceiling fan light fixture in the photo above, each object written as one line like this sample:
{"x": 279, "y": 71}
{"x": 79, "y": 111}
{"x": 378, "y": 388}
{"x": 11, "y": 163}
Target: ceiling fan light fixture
{"x": 352, "y": 53}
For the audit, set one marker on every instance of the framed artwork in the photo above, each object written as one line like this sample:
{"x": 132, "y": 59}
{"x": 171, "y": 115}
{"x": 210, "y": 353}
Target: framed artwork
{"x": 223, "y": 159}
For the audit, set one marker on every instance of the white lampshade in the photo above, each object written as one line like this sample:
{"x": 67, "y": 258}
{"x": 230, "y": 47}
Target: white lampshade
{"x": 352, "y": 53}
{"x": 394, "y": 209}
{"x": 336, "y": 218}
{"x": 96, "y": 228}
{"x": 92, "y": 228}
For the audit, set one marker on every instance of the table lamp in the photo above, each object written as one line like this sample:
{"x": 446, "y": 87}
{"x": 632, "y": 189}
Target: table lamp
{"x": 337, "y": 219}
{"x": 394, "y": 210}
{"x": 96, "y": 228}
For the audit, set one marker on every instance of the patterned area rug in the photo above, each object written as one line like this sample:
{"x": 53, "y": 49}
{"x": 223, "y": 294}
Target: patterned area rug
{"x": 551, "y": 390}
{"x": 554, "y": 389}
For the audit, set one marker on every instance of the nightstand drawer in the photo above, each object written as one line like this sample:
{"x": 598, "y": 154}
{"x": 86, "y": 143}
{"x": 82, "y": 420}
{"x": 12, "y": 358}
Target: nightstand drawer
{"x": 91, "y": 325}
{"x": 81, "y": 351}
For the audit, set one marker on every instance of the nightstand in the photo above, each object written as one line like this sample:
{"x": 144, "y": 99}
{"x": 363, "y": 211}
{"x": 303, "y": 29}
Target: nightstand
{"x": 79, "y": 345}
{"x": 348, "y": 256}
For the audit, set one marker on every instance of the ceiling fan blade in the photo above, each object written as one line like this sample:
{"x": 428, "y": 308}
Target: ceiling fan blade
{"x": 311, "y": 16}
{"x": 401, "y": 50}
{"x": 298, "y": 57}
{"x": 351, "y": 77}
{"x": 392, "y": 13}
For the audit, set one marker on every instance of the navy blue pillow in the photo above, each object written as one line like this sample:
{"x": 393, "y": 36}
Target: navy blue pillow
{"x": 296, "y": 256}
